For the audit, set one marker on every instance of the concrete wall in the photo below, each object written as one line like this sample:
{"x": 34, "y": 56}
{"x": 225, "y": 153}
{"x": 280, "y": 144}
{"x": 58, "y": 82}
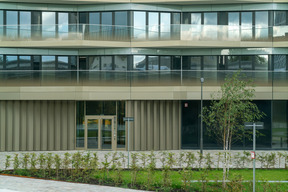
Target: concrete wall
{"x": 156, "y": 126}
{"x": 37, "y": 125}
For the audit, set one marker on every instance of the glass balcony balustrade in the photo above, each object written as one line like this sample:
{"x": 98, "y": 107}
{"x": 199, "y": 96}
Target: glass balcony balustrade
{"x": 135, "y": 78}
{"x": 183, "y": 32}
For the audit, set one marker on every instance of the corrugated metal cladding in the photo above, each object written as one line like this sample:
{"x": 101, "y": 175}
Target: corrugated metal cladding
{"x": 37, "y": 125}
{"x": 156, "y": 125}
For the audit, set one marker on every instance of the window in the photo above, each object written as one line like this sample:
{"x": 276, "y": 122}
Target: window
{"x": 25, "y": 24}
{"x": 48, "y": 24}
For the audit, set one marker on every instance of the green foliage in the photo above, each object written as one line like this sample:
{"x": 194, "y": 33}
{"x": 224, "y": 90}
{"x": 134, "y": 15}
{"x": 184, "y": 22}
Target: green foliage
{"x": 7, "y": 162}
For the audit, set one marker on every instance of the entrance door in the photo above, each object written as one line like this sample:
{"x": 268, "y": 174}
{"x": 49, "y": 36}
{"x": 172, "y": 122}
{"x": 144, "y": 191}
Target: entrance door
{"x": 100, "y": 133}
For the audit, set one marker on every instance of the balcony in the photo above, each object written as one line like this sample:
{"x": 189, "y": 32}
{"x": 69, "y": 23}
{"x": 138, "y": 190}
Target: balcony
{"x": 177, "y": 36}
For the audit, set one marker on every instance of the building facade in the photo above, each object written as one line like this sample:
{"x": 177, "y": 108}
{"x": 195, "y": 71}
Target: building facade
{"x": 71, "y": 70}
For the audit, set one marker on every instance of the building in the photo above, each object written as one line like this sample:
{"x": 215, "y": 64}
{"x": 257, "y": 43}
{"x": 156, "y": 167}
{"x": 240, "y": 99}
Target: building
{"x": 71, "y": 70}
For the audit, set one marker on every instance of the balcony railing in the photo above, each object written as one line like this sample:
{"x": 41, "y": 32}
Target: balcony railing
{"x": 135, "y": 78}
{"x": 142, "y": 33}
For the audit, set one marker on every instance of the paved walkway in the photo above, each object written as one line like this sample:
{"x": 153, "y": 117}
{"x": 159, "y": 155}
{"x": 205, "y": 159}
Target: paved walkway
{"x": 20, "y": 184}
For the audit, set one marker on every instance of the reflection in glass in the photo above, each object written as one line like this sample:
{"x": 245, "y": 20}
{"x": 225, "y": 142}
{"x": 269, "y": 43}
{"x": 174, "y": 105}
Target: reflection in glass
{"x": 233, "y": 25}
{"x": 63, "y": 63}
{"x": 246, "y": 62}
{"x": 246, "y": 25}
{"x": 233, "y": 62}
{"x": 94, "y": 25}
{"x": 176, "y": 62}
{"x": 261, "y": 25}
{"x": 165, "y": 24}
{"x": 121, "y": 24}
{"x": 1, "y": 62}
{"x": 48, "y": 63}
{"x": 106, "y": 63}
{"x": 1, "y": 24}
{"x": 261, "y": 62}
{"x": 11, "y": 62}
{"x": 12, "y": 24}
{"x": 153, "y": 24}
{"x": 280, "y": 18}
{"x": 210, "y": 31}
{"x": 139, "y": 24}
{"x": 210, "y": 62}
{"x": 48, "y": 24}
{"x": 25, "y": 24}
{"x": 153, "y": 63}
{"x": 139, "y": 62}
{"x": 279, "y": 62}
{"x": 106, "y": 27}
{"x": 192, "y": 63}
{"x": 25, "y": 63}
{"x": 121, "y": 62}
{"x": 121, "y": 125}
{"x": 176, "y": 21}
{"x": 63, "y": 25}
{"x": 106, "y": 129}
{"x": 196, "y": 21}
{"x": 210, "y": 18}
{"x": 80, "y": 124}
{"x": 94, "y": 63}
{"x": 92, "y": 133}
{"x": 165, "y": 63}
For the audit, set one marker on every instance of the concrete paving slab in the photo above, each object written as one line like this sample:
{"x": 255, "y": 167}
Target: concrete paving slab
{"x": 20, "y": 184}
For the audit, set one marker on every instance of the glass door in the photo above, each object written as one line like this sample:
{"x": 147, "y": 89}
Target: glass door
{"x": 100, "y": 133}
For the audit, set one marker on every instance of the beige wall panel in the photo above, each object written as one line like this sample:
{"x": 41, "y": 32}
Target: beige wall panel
{"x": 37, "y": 126}
{"x": 16, "y": 126}
{"x": 175, "y": 127}
{"x": 64, "y": 128}
{"x": 44, "y": 123}
{"x": 162, "y": 125}
{"x": 143, "y": 125}
{"x": 50, "y": 124}
{"x": 9, "y": 126}
{"x": 57, "y": 124}
{"x": 71, "y": 125}
{"x": 2, "y": 125}
{"x": 130, "y": 113}
{"x": 23, "y": 125}
{"x": 150, "y": 125}
{"x": 137, "y": 123}
{"x": 169, "y": 118}
{"x": 30, "y": 126}
{"x": 156, "y": 125}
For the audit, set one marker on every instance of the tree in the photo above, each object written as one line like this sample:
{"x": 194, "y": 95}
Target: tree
{"x": 230, "y": 108}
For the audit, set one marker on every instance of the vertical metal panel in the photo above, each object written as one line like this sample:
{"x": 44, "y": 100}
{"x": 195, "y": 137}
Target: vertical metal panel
{"x": 2, "y": 125}
{"x": 9, "y": 126}
{"x": 143, "y": 121}
{"x": 169, "y": 117}
{"x": 156, "y": 125}
{"x": 51, "y": 125}
{"x": 71, "y": 125}
{"x": 175, "y": 127}
{"x": 179, "y": 124}
{"x": 150, "y": 139}
{"x": 130, "y": 113}
{"x": 16, "y": 126}
{"x": 23, "y": 125}
{"x": 44, "y": 124}
{"x": 57, "y": 124}
{"x": 30, "y": 125}
{"x": 37, "y": 126}
{"x": 64, "y": 128}
{"x": 137, "y": 122}
{"x": 162, "y": 126}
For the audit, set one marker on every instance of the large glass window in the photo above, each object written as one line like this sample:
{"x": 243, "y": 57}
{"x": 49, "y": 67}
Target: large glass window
{"x": 261, "y": 25}
{"x": 233, "y": 62}
{"x": 210, "y": 18}
{"x": 25, "y": 63}
{"x": 106, "y": 25}
{"x": 210, "y": 31}
{"x": 48, "y": 24}
{"x": 106, "y": 63}
{"x": 1, "y": 62}
{"x": 94, "y": 25}
{"x": 261, "y": 62}
{"x": 121, "y": 125}
{"x": 139, "y": 25}
{"x": 121, "y": 62}
{"x": 48, "y": 63}
{"x": 280, "y": 18}
{"x": 165, "y": 63}
{"x": 153, "y": 23}
{"x": 11, "y": 62}
{"x": 165, "y": 25}
{"x": 210, "y": 62}
{"x": 246, "y": 62}
{"x": 1, "y": 24}
{"x": 63, "y": 63}
{"x": 25, "y": 25}
{"x": 196, "y": 19}
{"x": 94, "y": 63}
{"x": 279, "y": 62}
{"x": 246, "y": 26}
{"x": 63, "y": 25}
{"x": 121, "y": 23}
{"x": 153, "y": 63}
{"x": 12, "y": 24}
{"x": 233, "y": 25}
{"x": 80, "y": 124}
{"x": 139, "y": 62}
{"x": 192, "y": 62}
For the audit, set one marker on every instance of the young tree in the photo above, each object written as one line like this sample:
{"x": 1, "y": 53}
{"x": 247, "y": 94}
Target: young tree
{"x": 230, "y": 108}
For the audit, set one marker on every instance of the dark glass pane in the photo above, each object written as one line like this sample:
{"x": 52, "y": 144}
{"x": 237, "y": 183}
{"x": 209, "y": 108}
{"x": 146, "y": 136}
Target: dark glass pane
{"x": 121, "y": 18}
{"x": 94, "y": 63}
{"x": 210, "y": 62}
{"x": 1, "y": 61}
{"x": 195, "y": 63}
{"x": 121, "y": 62}
{"x": 11, "y": 62}
{"x": 36, "y": 24}
{"x": 279, "y": 62}
{"x": 94, "y": 25}
{"x": 139, "y": 62}
{"x": 186, "y": 18}
{"x": 233, "y": 62}
{"x": 73, "y": 62}
{"x": 94, "y": 18}
{"x": 36, "y": 62}
{"x": 121, "y": 125}
{"x": 280, "y": 125}
{"x": 165, "y": 63}
{"x": 25, "y": 63}
{"x": 48, "y": 63}
{"x": 106, "y": 63}
{"x": 280, "y": 18}
{"x": 190, "y": 124}
{"x": 223, "y": 18}
{"x": 246, "y": 62}
{"x": 153, "y": 63}
{"x": 94, "y": 108}
{"x": 83, "y": 18}
{"x": 106, "y": 27}
{"x": 25, "y": 24}
{"x": 261, "y": 62}
{"x": 83, "y": 63}
{"x": 80, "y": 124}
{"x": 1, "y": 23}
{"x": 109, "y": 107}
{"x": 63, "y": 63}
{"x": 176, "y": 62}
{"x": 176, "y": 18}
